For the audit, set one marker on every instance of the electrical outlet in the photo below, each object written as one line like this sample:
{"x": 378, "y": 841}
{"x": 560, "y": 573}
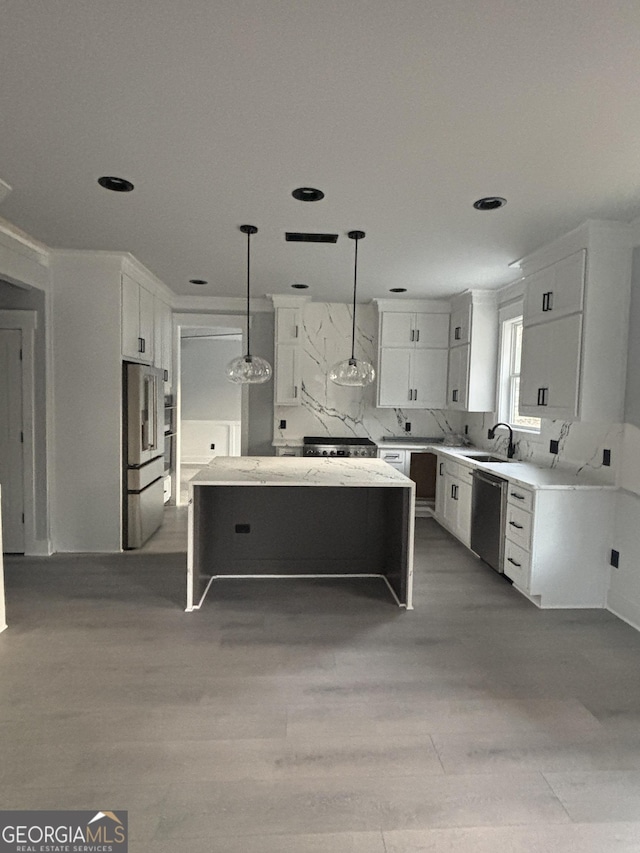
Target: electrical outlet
{"x": 407, "y": 426}
{"x": 489, "y": 434}
{"x": 213, "y": 447}
{"x": 554, "y": 446}
{"x": 243, "y": 528}
{"x": 606, "y": 458}
{"x": 466, "y": 429}
{"x": 283, "y": 424}
{"x": 615, "y": 558}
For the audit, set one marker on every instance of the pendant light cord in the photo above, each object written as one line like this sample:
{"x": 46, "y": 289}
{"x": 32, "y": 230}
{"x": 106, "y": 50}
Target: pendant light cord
{"x": 353, "y": 322}
{"x": 248, "y": 356}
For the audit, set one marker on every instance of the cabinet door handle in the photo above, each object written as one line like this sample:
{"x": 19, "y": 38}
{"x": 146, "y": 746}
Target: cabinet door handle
{"x": 454, "y": 396}
{"x": 457, "y": 333}
{"x": 542, "y": 396}
{"x": 517, "y": 496}
{"x": 166, "y": 375}
{"x": 413, "y": 335}
{"x": 296, "y": 334}
{"x": 417, "y": 334}
{"x": 295, "y": 391}
{"x": 547, "y": 301}
{"x": 441, "y": 467}
{"x": 513, "y": 562}
{"x": 411, "y": 393}
{"x": 515, "y": 524}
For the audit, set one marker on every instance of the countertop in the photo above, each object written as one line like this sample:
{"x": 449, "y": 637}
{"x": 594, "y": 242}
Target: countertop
{"x": 298, "y": 471}
{"x": 524, "y": 473}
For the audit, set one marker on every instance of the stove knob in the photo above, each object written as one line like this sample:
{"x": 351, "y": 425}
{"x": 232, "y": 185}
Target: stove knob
{"x": 333, "y": 453}
{"x": 324, "y": 452}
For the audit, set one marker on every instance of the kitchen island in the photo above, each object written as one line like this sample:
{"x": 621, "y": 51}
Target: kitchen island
{"x": 285, "y": 517}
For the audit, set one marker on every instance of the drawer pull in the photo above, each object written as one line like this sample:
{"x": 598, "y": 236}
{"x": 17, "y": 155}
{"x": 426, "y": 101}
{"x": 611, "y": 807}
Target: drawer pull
{"x": 510, "y": 560}
{"x": 392, "y": 456}
{"x": 515, "y": 524}
{"x": 517, "y": 496}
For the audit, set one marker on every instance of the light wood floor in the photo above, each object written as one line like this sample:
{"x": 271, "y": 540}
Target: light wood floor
{"x": 315, "y": 716}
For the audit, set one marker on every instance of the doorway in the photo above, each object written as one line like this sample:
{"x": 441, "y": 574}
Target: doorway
{"x": 11, "y": 441}
{"x": 210, "y": 405}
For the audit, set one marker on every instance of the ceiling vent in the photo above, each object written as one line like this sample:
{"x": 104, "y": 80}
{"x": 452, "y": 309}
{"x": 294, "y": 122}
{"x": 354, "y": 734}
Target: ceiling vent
{"x": 300, "y": 237}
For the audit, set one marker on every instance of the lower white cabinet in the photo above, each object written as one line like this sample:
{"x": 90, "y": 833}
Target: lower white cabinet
{"x": 399, "y": 459}
{"x": 456, "y": 499}
{"x": 557, "y": 544}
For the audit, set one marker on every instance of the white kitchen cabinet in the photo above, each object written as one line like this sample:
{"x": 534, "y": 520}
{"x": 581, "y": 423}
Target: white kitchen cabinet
{"x": 575, "y": 325}
{"x": 551, "y": 381}
{"x": 412, "y": 378}
{"x": 422, "y": 330}
{"x": 457, "y": 499}
{"x": 557, "y": 544}
{"x": 398, "y": 459}
{"x": 556, "y": 290}
{"x": 287, "y": 386}
{"x": 413, "y": 354}
{"x": 162, "y": 347}
{"x": 440, "y": 488}
{"x": 460, "y": 327}
{"x": 137, "y": 321}
{"x": 289, "y": 450}
{"x": 473, "y": 350}
{"x": 287, "y": 375}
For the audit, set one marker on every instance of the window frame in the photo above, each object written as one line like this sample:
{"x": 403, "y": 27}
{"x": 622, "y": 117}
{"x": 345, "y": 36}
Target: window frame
{"x": 507, "y": 314}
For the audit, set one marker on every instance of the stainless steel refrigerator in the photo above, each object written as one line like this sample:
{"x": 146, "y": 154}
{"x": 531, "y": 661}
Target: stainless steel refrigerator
{"x": 143, "y": 452}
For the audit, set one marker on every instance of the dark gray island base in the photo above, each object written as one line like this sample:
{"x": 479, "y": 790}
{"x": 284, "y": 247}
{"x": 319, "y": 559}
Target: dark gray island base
{"x": 291, "y": 517}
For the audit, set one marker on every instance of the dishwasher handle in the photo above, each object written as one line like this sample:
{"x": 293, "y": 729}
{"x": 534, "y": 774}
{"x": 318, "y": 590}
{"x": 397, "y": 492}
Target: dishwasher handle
{"x": 490, "y": 479}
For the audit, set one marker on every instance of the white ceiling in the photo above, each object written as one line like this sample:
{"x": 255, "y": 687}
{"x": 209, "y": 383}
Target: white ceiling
{"x": 402, "y": 111}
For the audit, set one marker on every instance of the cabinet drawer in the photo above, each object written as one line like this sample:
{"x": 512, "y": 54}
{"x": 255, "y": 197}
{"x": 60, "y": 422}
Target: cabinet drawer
{"x": 518, "y": 526}
{"x": 517, "y": 564}
{"x": 518, "y": 496}
{"x": 393, "y": 457}
{"x": 461, "y": 472}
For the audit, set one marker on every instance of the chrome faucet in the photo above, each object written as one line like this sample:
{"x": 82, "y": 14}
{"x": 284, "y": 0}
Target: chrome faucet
{"x": 512, "y": 448}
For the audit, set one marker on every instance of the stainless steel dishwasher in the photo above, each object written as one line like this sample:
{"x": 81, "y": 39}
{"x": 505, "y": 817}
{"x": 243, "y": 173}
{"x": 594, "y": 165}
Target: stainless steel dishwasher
{"x": 487, "y": 518}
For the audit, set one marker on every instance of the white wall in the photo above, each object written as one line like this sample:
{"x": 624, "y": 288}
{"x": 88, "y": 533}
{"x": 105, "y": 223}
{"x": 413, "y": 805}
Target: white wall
{"x": 207, "y": 395}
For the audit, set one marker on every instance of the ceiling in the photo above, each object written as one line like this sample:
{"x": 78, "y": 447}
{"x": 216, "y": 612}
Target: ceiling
{"x": 402, "y": 111}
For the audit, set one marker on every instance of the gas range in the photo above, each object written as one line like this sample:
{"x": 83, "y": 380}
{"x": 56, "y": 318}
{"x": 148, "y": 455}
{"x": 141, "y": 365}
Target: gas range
{"x": 363, "y": 448}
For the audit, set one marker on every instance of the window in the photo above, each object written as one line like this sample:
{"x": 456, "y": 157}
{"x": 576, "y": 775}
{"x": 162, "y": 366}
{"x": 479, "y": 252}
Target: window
{"x": 510, "y": 376}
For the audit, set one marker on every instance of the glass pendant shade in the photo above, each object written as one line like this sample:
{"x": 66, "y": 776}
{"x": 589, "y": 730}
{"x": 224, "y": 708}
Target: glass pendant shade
{"x": 248, "y": 369}
{"x": 353, "y": 372}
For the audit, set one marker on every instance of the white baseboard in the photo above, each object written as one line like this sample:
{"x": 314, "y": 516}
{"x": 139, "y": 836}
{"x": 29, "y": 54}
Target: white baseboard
{"x": 628, "y": 611}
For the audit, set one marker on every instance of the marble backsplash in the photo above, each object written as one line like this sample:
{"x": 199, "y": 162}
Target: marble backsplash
{"x": 333, "y": 410}
{"x": 580, "y": 445}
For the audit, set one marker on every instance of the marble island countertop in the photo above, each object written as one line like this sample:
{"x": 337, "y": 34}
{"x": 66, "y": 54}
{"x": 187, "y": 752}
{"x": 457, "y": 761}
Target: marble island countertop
{"x": 298, "y": 471}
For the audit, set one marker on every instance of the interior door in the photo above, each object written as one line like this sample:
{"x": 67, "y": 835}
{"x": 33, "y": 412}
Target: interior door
{"x": 11, "y": 447}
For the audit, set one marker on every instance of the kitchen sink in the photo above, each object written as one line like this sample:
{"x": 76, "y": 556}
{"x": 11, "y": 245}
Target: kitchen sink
{"x": 486, "y": 457}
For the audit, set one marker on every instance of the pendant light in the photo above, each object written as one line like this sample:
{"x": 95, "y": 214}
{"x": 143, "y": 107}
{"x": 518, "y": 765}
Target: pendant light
{"x": 352, "y": 371}
{"x": 248, "y": 369}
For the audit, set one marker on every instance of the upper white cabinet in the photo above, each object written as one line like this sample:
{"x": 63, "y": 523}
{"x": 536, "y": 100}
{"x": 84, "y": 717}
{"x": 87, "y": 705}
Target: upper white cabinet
{"x": 420, "y": 330}
{"x": 137, "y": 321}
{"x": 288, "y": 339}
{"x": 163, "y": 348}
{"x": 473, "y": 349}
{"x": 412, "y": 354}
{"x": 574, "y": 347}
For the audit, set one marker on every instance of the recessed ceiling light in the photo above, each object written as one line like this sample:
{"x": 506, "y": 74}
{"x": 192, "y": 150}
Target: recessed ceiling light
{"x": 198, "y": 281}
{"x": 116, "y": 185}
{"x": 300, "y": 286}
{"x": 307, "y": 194}
{"x": 491, "y": 202}
{"x": 397, "y": 290}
